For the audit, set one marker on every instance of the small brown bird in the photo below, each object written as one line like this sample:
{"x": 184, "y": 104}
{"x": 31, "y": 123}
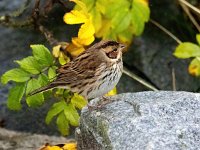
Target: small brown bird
{"x": 93, "y": 73}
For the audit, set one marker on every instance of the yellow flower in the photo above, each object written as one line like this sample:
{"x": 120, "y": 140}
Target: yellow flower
{"x": 86, "y": 31}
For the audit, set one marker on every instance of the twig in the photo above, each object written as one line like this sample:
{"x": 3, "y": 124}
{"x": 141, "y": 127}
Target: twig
{"x": 21, "y": 10}
{"x": 48, "y": 35}
{"x": 6, "y": 21}
{"x": 187, "y": 11}
{"x": 36, "y": 17}
{"x": 36, "y": 13}
{"x": 166, "y": 31}
{"x": 173, "y": 79}
{"x": 140, "y": 80}
{"x": 190, "y": 6}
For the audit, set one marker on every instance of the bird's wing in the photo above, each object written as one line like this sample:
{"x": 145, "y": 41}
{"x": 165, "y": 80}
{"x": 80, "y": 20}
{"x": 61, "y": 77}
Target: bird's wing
{"x": 77, "y": 70}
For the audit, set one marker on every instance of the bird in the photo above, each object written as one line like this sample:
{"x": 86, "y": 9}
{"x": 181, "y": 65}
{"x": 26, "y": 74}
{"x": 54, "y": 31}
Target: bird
{"x": 93, "y": 73}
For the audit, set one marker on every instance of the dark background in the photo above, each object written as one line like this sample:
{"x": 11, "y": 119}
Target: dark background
{"x": 150, "y": 56}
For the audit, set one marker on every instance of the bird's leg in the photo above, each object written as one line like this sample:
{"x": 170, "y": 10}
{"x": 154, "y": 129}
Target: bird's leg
{"x": 91, "y": 107}
{"x": 105, "y": 100}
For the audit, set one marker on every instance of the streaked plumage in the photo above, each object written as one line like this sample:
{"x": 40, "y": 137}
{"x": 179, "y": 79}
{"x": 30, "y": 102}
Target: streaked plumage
{"x": 93, "y": 73}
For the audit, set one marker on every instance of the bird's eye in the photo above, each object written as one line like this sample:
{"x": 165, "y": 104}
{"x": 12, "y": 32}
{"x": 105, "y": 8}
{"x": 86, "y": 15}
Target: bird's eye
{"x": 115, "y": 49}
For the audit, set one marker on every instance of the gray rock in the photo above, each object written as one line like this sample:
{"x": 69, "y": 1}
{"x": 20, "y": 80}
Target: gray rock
{"x": 144, "y": 120}
{"x": 11, "y": 140}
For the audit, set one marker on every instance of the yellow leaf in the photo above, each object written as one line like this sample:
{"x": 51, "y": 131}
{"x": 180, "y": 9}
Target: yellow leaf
{"x": 56, "y": 51}
{"x": 194, "y": 67}
{"x": 63, "y": 59}
{"x": 87, "y": 30}
{"x": 82, "y": 42}
{"x": 81, "y": 4}
{"x": 50, "y": 148}
{"x": 67, "y": 146}
{"x": 74, "y": 50}
{"x": 70, "y": 146}
{"x": 112, "y": 92}
{"x": 76, "y": 42}
{"x": 125, "y": 37}
{"x": 97, "y": 19}
{"x": 78, "y": 101}
{"x": 75, "y": 17}
{"x": 145, "y": 2}
{"x": 104, "y": 29}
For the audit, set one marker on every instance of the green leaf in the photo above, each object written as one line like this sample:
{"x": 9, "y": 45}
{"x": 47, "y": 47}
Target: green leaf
{"x": 42, "y": 55}
{"x": 116, "y": 7}
{"x": 89, "y": 3}
{"x": 52, "y": 73}
{"x": 30, "y": 64}
{"x": 187, "y": 50}
{"x": 43, "y": 79}
{"x": 15, "y": 95}
{"x": 100, "y": 6}
{"x": 142, "y": 8}
{"x": 121, "y": 20}
{"x": 37, "y": 99}
{"x": 78, "y": 101}
{"x": 140, "y": 14}
{"x": 55, "y": 110}
{"x": 137, "y": 22}
{"x": 59, "y": 92}
{"x": 63, "y": 124}
{"x": 125, "y": 36}
{"x": 17, "y": 75}
{"x": 98, "y": 19}
{"x": 198, "y": 38}
{"x": 62, "y": 60}
{"x": 71, "y": 114}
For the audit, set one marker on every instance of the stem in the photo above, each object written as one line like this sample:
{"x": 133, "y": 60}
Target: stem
{"x": 173, "y": 79}
{"x": 187, "y": 11}
{"x": 166, "y": 31}
{"x": 190, "y": 6}
{"x": 140, "y": 80}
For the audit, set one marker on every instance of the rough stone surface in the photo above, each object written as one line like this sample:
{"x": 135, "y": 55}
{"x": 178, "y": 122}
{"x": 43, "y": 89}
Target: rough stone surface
{"x": 11, "y": 140}
{"x": 144, "y": 120}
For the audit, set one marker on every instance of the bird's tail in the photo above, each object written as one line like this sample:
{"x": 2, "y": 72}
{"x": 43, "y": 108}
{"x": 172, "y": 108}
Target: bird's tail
{"x": 42, "y": 89}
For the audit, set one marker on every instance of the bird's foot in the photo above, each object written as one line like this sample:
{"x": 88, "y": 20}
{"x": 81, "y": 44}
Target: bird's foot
{"x": 104, "y": 101}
